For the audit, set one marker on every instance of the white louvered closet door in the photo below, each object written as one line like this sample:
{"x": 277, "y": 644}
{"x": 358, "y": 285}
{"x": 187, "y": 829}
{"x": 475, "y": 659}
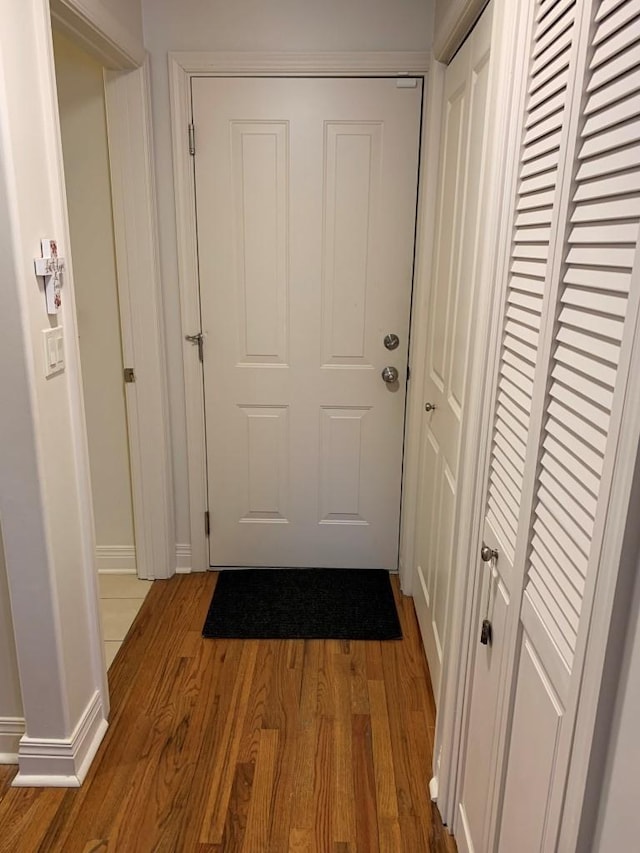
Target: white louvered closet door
{"x": 575, "y": 234}
{"x": 584, "y": 377}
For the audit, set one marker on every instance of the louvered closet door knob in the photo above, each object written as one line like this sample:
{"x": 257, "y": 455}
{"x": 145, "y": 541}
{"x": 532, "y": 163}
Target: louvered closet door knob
{"x": 487, "y": 554}
{"x": 390, "y": 374}
{"x": 429, "y": 407}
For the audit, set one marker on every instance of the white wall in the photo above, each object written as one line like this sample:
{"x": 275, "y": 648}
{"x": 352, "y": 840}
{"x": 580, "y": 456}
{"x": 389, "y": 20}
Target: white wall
{"x": 45, "y": 503}
{"x": 619, "y": 818}
{"x": 10, "y": 696}
{"x": 86, "y": 159}
{"x": 128, "y": 13}
{"x": 286, "y": 25}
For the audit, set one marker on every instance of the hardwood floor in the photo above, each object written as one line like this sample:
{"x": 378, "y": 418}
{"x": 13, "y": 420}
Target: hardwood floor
{"x": 256, "y": 746}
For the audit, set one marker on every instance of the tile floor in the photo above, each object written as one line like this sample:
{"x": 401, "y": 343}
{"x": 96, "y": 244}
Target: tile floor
{"x": 121, "y": 597}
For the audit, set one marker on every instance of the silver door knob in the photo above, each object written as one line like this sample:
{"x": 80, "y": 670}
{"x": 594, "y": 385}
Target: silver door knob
{"x": 488, "y": 554}
{"x": 391, "y": 341}
{"x": 430, "y": 407}
{"x": 390, "y": 374}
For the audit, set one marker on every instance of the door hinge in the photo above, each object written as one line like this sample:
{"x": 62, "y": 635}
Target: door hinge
{"x": 129, "y": 374}
{"x": 207, "y": 523}
{"x": 197, "y": 339}
{"x": 192, "y": 139}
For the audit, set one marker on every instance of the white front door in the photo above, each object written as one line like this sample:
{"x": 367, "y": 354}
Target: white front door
{"x": 306, "y": 197}
{"x": 456, "y": 257}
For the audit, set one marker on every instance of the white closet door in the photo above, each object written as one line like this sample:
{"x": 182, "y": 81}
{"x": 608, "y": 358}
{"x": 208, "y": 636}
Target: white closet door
{"x": 457, "y": 250}
{"x": 578, "y": 440}
{"x": 535, "y": 215}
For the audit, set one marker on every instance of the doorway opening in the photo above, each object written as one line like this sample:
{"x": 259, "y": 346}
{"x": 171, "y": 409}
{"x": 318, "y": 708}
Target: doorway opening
{"x": 81, "y": 103}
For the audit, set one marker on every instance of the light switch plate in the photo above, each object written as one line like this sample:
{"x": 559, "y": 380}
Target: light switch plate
{"x": 53, "y": 350}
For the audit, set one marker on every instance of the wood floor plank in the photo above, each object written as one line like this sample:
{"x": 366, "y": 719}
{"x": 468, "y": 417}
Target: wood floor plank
{"x": 365, "y": 785}
{"x": 7, "y": 772}
{"x": 386, "y": 794}
{"x": 344, "y": 823}
{"x": 224, "y": 767}
{"x": 282, "y": 714}
{"x": 219, "y": 746}
{"x": 259, "y": 820}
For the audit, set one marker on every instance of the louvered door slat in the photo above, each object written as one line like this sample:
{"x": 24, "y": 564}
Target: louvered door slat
{"x": 573, "y": 572}
{"x": 555, "y": 85}
{"x": 609, "y": 61}
{"x": 572, "y": 463}
{"x": 567, "y": 597}
{"x": 514, "y": 359}
{"x": 557, "y": 36}
{"x": 620, "y": 111}
{"x": 528, "y": 284}
{"x": 606, "y": 7}
{"x": 564, "y": 614}
{"x": 621, "y": 161}
{"x": 624, "y": 14}
{"x": 620, "y": 87}
{"x": 544, "y": 73}
{"x": 552, "y": 14}
{"x": 572, "y": 359}
{"x": 555, "y": 479}
{"x": 588, "y": 434}
{"x": 540, "y": 605}
{"x": 607, "y": 140}
{"x": 604, "y": 350}
{"x": 565, "y": 548}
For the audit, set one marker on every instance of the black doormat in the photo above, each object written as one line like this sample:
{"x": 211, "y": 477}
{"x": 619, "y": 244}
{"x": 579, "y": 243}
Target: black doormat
{"x": 290, "y": 604}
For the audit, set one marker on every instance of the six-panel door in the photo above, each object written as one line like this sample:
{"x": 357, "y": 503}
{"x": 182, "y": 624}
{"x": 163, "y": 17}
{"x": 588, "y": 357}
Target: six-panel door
{"x": 306, "y": 197}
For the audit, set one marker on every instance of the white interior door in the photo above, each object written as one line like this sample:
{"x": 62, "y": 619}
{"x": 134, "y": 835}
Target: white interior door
{"x": 456, "y": 258}
{"x": 306, "y": 196}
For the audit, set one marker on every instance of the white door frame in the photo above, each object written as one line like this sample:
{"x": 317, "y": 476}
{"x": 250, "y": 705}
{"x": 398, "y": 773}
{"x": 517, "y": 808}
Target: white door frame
{"x": 182, "y": 67}
{"x": 128, "y": 106}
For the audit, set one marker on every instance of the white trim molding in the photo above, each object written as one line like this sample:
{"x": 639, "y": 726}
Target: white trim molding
{"x": 11, "y": 730}
{"x": 313, "y": 64}
{"x": 183, "y": 559}
{"x": 116, "y": 559}
{"x": 128, "y": 105}
{"x": 62, "y": 763}
{"x": 96, "y": 29}
{"x": 182, "y": 67}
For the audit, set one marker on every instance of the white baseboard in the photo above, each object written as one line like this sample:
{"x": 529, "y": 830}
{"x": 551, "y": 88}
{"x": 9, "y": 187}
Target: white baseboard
{"x": 433, "y": 789}
{"x": 11, "y": 730}
{"x": 183, "y": 559}
{"x": 116, "y": 559}
{"x": 62, "y": 762}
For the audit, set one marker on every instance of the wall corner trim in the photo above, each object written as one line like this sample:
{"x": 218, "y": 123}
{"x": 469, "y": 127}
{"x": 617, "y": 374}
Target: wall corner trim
{"x": 62, "y": 762}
